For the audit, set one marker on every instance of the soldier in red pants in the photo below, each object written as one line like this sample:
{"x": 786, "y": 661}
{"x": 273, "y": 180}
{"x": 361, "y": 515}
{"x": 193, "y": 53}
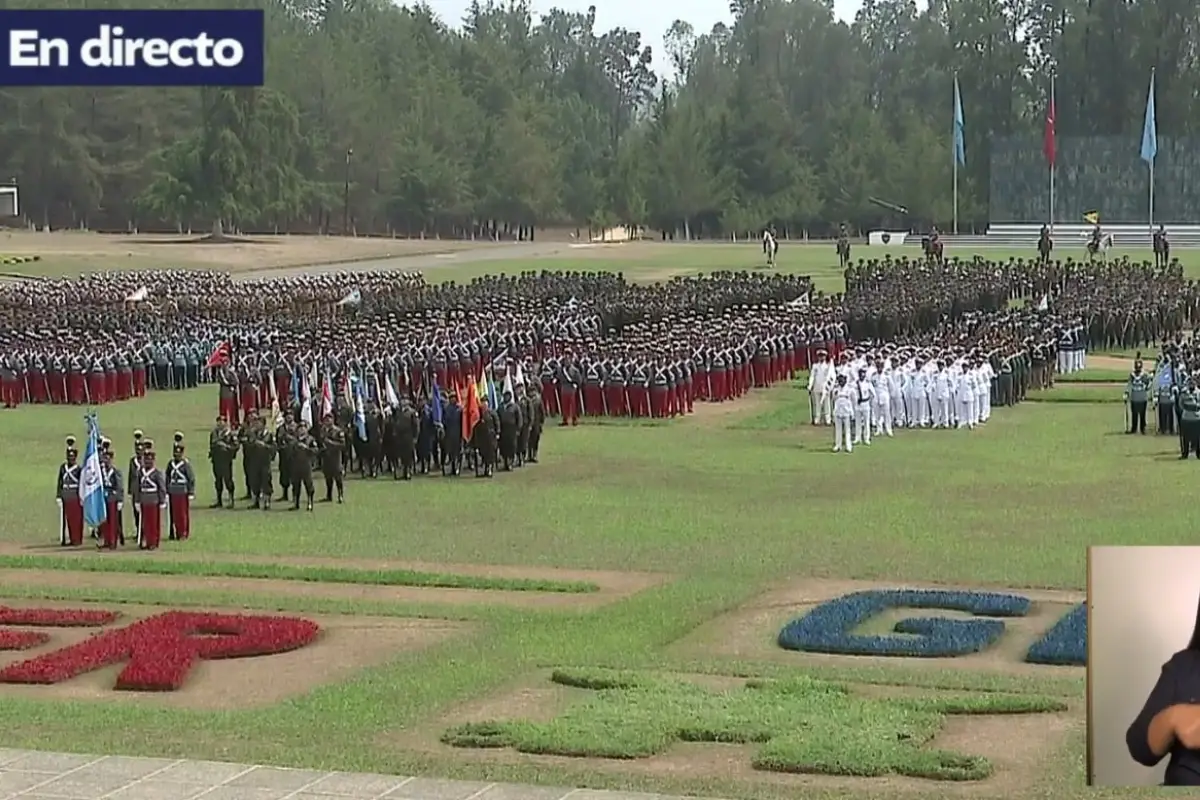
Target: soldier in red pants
{"x": 151, "y": 498}
{"x": 181, "y": 490}
{"x": 114, "y": 497}
{"x": 70, "y": 506}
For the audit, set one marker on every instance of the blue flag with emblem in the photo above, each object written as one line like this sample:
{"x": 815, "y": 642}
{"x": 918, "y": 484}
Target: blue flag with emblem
{"x": 435, "y": 404}
{"x": 91, "y": 479}
{"x": 360, "y": 412}
{"x": 960, "y": 151}
{"x": 1149, "y": 128}
{"x": 1163, "y": 381}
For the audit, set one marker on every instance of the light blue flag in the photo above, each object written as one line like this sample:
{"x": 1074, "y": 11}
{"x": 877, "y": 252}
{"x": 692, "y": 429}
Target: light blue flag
{"x": 960, "y": 151}
{"x": 91, "y": 479}
{"x": 360, "y": 412}
{"x": 1150, "y": 128}
{"x": 436, "y": 404}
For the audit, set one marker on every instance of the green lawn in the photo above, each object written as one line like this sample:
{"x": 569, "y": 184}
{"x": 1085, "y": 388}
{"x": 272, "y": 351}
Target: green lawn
{"x": 729, "y": 503}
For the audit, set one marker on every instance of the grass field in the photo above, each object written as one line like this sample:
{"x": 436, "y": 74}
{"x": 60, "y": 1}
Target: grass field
{"x": 602, "y": 611}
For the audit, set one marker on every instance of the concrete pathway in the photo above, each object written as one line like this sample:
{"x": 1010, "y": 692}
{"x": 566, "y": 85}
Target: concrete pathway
{"x": 31, "y": 775}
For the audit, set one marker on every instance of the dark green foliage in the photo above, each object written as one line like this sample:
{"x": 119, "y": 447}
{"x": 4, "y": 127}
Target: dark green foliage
{"x": 786, "y": 115}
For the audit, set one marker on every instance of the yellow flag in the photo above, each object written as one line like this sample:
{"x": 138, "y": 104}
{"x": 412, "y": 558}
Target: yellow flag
{"x": 1092, "y": 217}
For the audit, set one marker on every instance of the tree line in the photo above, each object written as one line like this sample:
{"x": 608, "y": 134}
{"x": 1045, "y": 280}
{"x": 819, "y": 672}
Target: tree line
{"x": 384, "y": 118}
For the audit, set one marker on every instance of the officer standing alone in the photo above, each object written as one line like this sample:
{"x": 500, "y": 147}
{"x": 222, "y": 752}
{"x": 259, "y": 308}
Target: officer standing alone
{"x": 1137, "y": 394}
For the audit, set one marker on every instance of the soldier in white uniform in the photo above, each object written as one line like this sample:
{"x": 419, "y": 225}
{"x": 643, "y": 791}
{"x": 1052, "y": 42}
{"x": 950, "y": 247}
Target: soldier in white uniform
{"x": 845, "y": 398}
{"x": 939, "y": 395}
{"x": 820, "y": 389}
{"x": 881, "y": 404}
{"x": 965, "y": 395}
{"x": 864, "y": 399}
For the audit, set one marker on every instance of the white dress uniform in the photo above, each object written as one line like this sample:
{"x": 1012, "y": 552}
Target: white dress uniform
{"x": 845, "y": 398}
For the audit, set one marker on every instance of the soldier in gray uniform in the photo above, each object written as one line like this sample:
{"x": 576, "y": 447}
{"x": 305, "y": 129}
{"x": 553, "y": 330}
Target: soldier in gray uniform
{"x": 537, "y": 421}
{"x": 135, "y": 464}
{"x": 181, "y": 491}
{"x": 333, "y": 444}
{"x": 1137, "y": 394}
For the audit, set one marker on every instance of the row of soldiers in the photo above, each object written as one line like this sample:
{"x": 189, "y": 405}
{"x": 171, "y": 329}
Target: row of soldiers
{"x": 151, "y": 492}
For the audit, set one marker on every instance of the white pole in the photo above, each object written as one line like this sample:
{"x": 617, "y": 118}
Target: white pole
{"x": 1151, "y": 195}
{"x": 955, "y": 159}
{"x": 1052, "y": 170}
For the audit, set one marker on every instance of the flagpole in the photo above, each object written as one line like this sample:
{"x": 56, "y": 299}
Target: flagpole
{"x": 1052, "y": 163}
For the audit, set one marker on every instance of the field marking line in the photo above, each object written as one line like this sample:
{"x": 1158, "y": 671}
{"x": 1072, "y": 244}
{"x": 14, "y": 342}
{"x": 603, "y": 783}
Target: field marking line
{"x": 386, "y": 792}
{"x": 303, "y": 788}
{"x": 225, "y": 782}
{"x": 60, "y": 775}
{"x": 142, "y": 779}
{"x": 483, "y": 791}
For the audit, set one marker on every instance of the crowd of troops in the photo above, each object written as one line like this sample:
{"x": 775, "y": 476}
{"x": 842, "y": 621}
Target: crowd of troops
{"x": 385, "y": 373}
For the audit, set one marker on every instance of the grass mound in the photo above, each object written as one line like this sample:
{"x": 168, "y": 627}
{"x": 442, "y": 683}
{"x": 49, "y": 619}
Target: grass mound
{"x": 801, "y": 725}
{"x": 293, "y": 572}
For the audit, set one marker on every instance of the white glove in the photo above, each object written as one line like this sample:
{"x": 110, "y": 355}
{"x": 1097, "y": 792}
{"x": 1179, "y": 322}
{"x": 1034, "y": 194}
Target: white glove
{"x": 120, "y": 506}
{"x": 191, "y": 498}
{"x": 59, "y": 501}
{"x": 162, "y": 507}
{"x": 1125, "y": 396}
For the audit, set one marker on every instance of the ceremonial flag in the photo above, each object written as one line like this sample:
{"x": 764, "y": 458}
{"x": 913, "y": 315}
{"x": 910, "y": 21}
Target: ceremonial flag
{"x": 435, "y": 404}
{"x": 471, "y": 413}
{"x": 1150, "y": 128}
{"x": 519, "y": 378}
{"x": 1092, "y": 217}
{"x": 959, "y": 146}
{"x": 296, "y": 372}
{"x": 326, "y": 398}
{"x": 960, "y": 152}
{"x": 314, "y": 377}
{"x": 393, "y": 399}
{"x": 306, "y": 409}
{"x": 508, "y": 383}
{"x": 91, "y": 479}
{"x": 492, "y": 395}
{"x": 352, "y": 299}
{"x": 276, "y": 413}
{"x": 1044, "y": 303}
{"x": 221, "y": 355}
{"x": 346, "y": 390}
{"x": 360, "y": 413}
{"x": 1150, "y": 141}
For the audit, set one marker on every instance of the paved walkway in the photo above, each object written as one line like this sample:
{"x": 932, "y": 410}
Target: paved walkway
{"x": 30, "y": 775}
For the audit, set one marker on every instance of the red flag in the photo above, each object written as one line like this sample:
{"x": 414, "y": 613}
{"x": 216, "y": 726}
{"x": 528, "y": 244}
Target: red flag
{"x": 222, "y": 355}
{"x": 1048, "y": 143}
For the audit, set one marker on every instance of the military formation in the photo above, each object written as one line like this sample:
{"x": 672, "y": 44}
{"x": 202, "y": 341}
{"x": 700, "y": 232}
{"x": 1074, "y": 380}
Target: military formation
{"x": 385, "y": 374}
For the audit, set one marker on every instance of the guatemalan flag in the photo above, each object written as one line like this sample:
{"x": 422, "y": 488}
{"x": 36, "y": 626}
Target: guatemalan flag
{"x": 91, "y": 479}
{"x": 360, "y": 413}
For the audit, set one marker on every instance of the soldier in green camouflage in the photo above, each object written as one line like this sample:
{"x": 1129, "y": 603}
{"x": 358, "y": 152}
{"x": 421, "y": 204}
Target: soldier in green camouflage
{"x": 222, "y": 452}
{"x": 284, "y": 439}
{"x": 332, "y": 440}
{"x": 301, "y": 450}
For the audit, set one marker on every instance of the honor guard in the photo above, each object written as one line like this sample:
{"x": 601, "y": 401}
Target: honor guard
{"x": 113, "y": 482}
{"x": 181, "y": 491}
{"x": 150, "y": 497}
{"x": 70, "y": 507}
{"x": 135, "y": 464}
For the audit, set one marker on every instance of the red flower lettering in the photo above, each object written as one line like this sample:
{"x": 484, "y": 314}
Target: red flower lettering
{"x": 158, "y": 652}
{"x": 21, "y": 640}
